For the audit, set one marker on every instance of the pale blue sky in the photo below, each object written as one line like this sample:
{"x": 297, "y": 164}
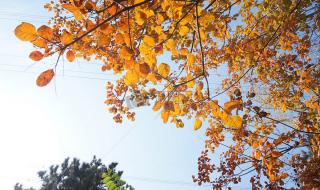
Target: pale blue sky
{"x": 42, "y": 126}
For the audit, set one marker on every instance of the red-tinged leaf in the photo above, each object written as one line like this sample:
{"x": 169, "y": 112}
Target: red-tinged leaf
{"x": 45, "y": 77}
{"x": 36, "y": 55}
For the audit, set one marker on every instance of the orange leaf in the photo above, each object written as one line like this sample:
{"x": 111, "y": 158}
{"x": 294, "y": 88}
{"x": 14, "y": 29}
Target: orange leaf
{"x": 275, "y": 154}
{"x": 73, "y": 9}
{"x": 36, "y": 55}
{"x": 45, "y": 32}
{"x": 45, "y": 77}
{"x": 70, "y": 56}
{"x": 229, "y": 106}
{"x": 157, "y": 106}
{"x": 66, "y": 37}
{"x": 26, "y": 32}
{"x": 255, "y": 144}
{"x": 113, "y": 9}
{"x": 165, "y": 116}
{"x": 40, "y": 42}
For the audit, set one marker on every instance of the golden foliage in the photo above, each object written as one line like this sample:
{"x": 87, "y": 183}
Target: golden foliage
{"x": 264, "y": 65}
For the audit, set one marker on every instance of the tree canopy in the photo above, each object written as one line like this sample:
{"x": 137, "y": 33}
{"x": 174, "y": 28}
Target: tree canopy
{"x": 246, "y": 70}
{"x": 81, "y": 176}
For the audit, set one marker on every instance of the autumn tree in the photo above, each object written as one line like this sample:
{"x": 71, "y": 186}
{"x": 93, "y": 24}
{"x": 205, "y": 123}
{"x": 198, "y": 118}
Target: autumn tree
{"x": 221, "y": 54}
{"x": 74, "y": 175}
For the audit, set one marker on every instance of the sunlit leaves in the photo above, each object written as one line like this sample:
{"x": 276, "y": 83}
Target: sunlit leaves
{"x": 185, "y": 56}
{"x": 66, "y": 37}
{"x": 40, "y": 42}
{"x": 131, "y": 77}
{"x": 45, "y": 32}
{"x": 74, "y": 10}
{"x": 26, "y": 32}
{"x": 197, "y": 124}
{"x": 45, "y": 77}
{"x": 164, "y": 69}
{"x": 148, "y": 40}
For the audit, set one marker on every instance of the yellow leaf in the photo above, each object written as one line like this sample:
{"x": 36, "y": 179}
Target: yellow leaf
{"x": 131, "y": 78}
{"x": 164, "y": 69}
{"x": 26, "y": 32}
{"x": 149, "y": 41}
{"x": 36, "y": 55}
{"x": 157, "y": 106}
{"x": 66, "y": 37}
{"x": 183, "y": 30}
{"x": 170, "y": 45}
{"x": 231, "y": 121}
{"x": 45, "y": 32}
{"x": 197, "y": 124}
{"x": 229, "y": 106}
{"x": 165, "y": 116}
{"x": 191, "y": 82}
{"x": 45, "y": 77}
{"x": 191, "y": 59}
{"x": 74, "y": 10}
{"x": 70, "y": 56}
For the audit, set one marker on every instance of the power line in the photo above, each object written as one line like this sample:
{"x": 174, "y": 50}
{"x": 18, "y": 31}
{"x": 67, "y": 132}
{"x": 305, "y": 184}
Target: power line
{"x": 163, "y": 181}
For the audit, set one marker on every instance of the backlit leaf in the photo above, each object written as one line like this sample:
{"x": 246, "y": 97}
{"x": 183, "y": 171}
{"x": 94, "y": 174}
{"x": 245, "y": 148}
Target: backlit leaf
{"x": 36, "y": 55}
{"x": 66, "y": 37}
{"x": 164, "y": 69}
{"x": 70, "y": 56}
{"x": 131, "y": 77}
{"x": 197, "y": 124}
{"x": 229, "y": 106}
{"x": 45, "y": 77}
{"x": 45, "y": 32}
{"x": 26, "y": 32}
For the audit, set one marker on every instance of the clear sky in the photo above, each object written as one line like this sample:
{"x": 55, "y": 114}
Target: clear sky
{"x": 42, "y": 126}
